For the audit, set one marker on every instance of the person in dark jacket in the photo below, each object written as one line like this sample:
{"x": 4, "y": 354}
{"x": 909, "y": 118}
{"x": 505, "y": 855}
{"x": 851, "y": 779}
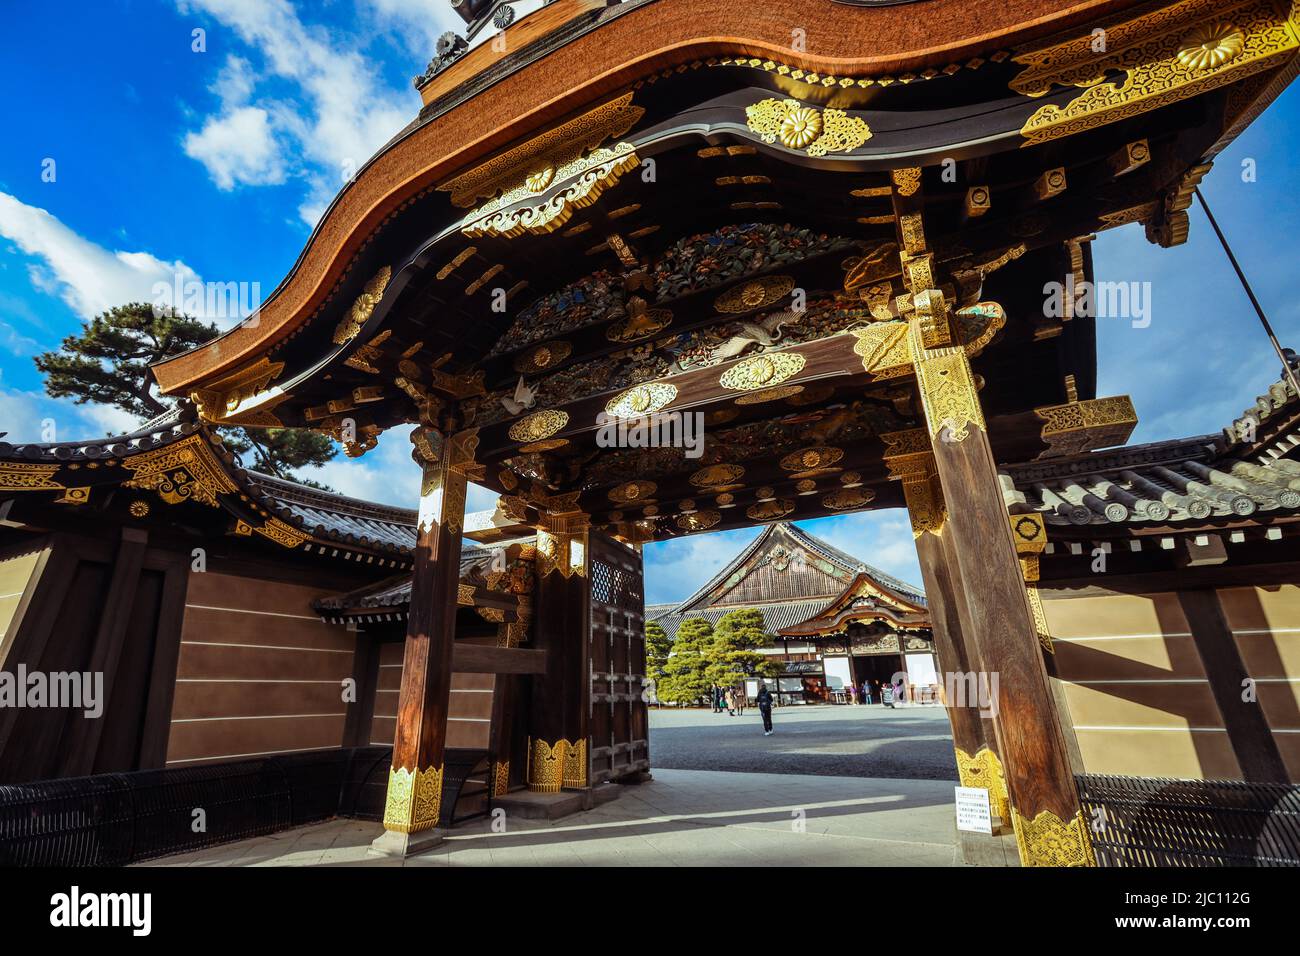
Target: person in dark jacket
{"x": 764, "y": 700}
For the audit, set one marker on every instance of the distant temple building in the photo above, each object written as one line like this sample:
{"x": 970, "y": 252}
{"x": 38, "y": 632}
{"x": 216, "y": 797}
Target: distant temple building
{"x": 836, "y": 620}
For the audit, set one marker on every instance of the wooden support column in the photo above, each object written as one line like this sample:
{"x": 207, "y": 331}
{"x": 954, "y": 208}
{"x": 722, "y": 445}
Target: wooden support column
{"x": 411, "y": 811}
{"x": 558, "y": 736}
{"x": 1050, "y": 828}
{"x": 80, "y": 744}
{"x": 910, "y": 460}
{"x": 1049, "y": 824}
{"x": 506, "y": 701}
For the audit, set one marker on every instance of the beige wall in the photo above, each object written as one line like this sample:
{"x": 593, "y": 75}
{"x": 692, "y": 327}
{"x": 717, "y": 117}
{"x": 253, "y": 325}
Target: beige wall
{"x": 15, "y": 576}
{"x": 259, "y": 673}
{"x": 469, "y": 721}
{"x": 1265, "y": 623}
{"x": 1136, "y": 689}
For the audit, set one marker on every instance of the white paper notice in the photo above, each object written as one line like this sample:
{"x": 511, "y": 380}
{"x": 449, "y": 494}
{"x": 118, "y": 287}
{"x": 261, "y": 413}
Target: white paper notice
{"x": 973, "y": 811}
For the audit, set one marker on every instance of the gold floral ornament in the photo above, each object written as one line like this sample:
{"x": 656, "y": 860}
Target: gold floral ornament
{"x": 632, "y": 491}
{"x": 802, "y": 127}
{"x": 847, "y": 498}
{"x": 756, "y": 294}
{"x": 715, "y": 476}
{"x": 540, "y": 179}
{"x": 583, "y": 180}
{"x": 542, "y": 357}
{"x": 538, "y": 425}
{"x": 414, "y": 799}
{"x": 762, "y": 371}
{"x": 770, "y": 510}
{"x": 810, "y": 459}
{"x": 640, "y": 324}
{"x": 641, "y": 400}
{"x": 699, "y": 520}
{"x": 1211, "y": 45}
{"x": 363, "y": 307}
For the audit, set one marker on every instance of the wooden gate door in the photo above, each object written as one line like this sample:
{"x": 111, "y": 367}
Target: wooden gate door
{"x": 620, "y": 741}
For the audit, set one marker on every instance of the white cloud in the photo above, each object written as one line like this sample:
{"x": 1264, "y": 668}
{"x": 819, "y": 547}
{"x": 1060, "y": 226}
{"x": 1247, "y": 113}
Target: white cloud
{"x": 32, "y": 416}
{"x": 11, "y": 340}
{"x": 238, "y": 148}
{"x": 88, "y": 277}
{"x": 345, "y": 111}
{"x": 417, "y": 23}
{"x": 677, "y": 568}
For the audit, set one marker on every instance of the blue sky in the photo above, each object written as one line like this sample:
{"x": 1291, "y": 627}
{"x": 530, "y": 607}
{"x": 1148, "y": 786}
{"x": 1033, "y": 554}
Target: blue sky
{"x": 216, "y": 162}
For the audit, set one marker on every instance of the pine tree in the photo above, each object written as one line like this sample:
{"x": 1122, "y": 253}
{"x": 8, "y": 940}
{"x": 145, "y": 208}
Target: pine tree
{"x": 108, "y": 364}
{"x": 684, "y": 679}
{"x": 657, "y": 649}
{"x": 733, "y": 654}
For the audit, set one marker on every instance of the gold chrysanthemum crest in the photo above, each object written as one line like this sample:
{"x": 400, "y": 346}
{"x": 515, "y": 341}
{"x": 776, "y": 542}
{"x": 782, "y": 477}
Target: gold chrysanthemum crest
{"x": 1211, "y": 45}
{"x": 762, "y": 371}
{"x": 641, "y": 400}
{"x": 538, "y": 425}
{"x": 797, "y": 126}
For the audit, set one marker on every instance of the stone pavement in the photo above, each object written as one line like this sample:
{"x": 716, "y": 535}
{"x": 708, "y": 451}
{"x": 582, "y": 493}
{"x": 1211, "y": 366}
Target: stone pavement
{"x": 681, "y": 818}
{"x": 911, "y": 742}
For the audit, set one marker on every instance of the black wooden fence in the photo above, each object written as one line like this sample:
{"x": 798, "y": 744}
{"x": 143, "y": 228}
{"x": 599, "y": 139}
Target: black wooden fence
{"x": 119, "y": 818}
{"x": 1152, "y": 822}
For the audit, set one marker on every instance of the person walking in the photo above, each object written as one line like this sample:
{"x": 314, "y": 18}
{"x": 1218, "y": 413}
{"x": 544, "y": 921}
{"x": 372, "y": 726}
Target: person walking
{"x": 764, "y": 700}
{"x": 887, "y": 695}
{"x": 741, "y": 699}
{"x": 853, "y": 693}
{"x": 866, "y": 692}
{"x": 731, "y": 702}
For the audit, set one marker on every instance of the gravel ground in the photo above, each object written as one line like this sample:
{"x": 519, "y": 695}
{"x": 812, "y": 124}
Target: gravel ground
{"x": 841, "y": 741}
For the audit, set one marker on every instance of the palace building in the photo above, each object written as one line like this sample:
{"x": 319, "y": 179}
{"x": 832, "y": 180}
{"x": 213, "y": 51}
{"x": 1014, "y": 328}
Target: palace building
{"x": 834, "y": 253}
{"x": 835, "y": 620}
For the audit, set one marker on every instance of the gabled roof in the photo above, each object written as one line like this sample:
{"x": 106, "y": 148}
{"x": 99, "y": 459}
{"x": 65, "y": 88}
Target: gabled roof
{"x": 863, "y": 599}
{"x": 783, "y": 613}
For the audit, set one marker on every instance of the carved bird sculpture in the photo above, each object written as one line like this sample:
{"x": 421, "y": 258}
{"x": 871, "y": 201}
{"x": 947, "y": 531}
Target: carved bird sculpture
{"x": 523, "y": 398}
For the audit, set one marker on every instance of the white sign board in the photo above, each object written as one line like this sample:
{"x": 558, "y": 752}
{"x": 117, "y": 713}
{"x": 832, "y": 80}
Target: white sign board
{"x": 920, "y": 669}
{"x": 839, "y": 672}
{"x": 973, "y": 811}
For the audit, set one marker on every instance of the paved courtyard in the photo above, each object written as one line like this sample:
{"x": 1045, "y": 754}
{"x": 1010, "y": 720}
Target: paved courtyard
{"x": 681, "y": 818}
{"x": 842, "y": 741}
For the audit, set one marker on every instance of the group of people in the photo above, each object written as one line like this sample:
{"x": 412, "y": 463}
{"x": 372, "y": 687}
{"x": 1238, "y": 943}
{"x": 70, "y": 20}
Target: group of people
{"x": 733, "y": 701}
{"x": 874, "y": 691}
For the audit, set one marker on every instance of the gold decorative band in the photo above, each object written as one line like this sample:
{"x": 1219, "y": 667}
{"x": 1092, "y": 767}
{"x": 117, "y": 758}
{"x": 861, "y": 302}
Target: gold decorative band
{"x": 500, "y": 778}
{"x": 546, "y": 765}
{"x": 1040, "y": 619}
{"x": 414, "y": 799}
{"x": 948, "y": 391}
{"x": 552, "y": 766}
{"x": 575, "y": 764}
{"x": 984, "y": 770}
{"x": 1047, "y": 841}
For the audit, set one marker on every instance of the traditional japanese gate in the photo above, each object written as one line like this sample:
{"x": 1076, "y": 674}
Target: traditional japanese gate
{"x": 662, "y": 208}
{"x": 620, "y": 732}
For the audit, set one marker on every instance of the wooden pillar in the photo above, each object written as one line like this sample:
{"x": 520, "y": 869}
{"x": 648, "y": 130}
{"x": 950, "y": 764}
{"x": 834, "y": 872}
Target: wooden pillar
{"x": 1050, "y": 828}
{"x": 558, "y": 736}
{"x": 506, "y": 700}
{"x": 1049, "y": 824}
{"x": 910, "y": 460}
{"x": 414, "y": 800}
